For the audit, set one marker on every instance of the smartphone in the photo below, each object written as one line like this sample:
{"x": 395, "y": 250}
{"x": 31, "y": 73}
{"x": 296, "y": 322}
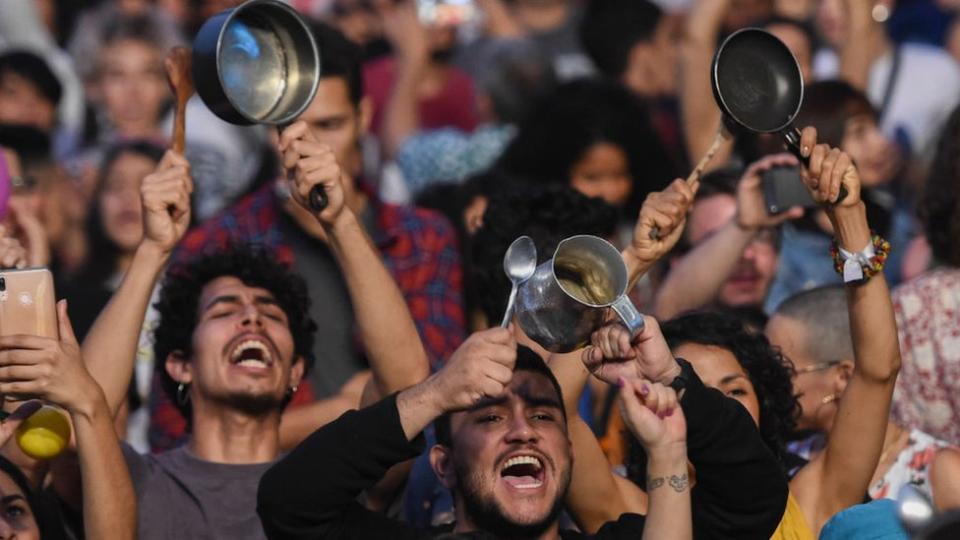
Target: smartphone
{"x": 28, "y": 304}
{"x": 783, "y": 189}
{"x": 446, "y": 12}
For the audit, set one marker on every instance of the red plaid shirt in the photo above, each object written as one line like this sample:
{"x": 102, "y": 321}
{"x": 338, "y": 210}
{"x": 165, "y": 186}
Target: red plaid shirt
{"x": 418, "y": 248}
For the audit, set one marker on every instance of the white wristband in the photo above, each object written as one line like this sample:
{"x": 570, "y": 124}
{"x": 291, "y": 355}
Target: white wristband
{"x": 854, "y": 263}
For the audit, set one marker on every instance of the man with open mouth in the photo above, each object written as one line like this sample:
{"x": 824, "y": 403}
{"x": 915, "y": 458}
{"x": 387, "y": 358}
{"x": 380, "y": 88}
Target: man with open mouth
{"x": 503, "y": 450}
{"x": 234, "y": 341}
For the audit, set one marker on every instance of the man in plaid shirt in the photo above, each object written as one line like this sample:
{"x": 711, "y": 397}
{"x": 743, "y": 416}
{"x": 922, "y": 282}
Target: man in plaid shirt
{"x": 418, "y": 248}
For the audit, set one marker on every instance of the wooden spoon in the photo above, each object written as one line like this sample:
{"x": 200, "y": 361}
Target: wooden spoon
{"x": 180, "y": 78}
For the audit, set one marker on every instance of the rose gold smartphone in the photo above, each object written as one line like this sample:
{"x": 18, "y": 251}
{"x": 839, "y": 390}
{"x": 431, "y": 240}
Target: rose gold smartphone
{"x": 28, "y": 304}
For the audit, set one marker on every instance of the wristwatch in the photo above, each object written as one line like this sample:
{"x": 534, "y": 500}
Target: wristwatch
{"x": 679, "y": 383}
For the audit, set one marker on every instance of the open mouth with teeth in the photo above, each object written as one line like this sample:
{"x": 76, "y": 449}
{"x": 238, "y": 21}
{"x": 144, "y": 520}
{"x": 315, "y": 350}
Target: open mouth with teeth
{"x": 523, "y": 472}
{"x": 251, "y": 353}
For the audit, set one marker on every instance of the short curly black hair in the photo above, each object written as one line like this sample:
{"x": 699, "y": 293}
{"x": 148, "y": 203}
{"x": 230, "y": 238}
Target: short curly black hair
{"x": 939, "y": 206}
{"x": 255, "y": 266}
{"x": 546, "y": 213}
{"x": 769, "y": 371}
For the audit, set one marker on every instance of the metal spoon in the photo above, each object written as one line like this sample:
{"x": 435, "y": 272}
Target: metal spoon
{"x": 913, "y": 509}
{"x": 519, "y": 263}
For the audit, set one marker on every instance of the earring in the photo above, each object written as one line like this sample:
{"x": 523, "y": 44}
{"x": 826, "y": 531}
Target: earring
{"x": 829, "y": 399}
{"x": 183, "y": 394}
{"x": 291, "y": 391}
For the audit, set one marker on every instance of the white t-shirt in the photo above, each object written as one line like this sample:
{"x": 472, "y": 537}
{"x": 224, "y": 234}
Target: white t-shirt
{"x": 926, "y": 90}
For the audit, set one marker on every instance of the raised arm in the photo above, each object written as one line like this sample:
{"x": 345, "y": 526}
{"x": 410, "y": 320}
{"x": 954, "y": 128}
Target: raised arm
{"x": 389, "y": 335}
{"x": 53, "y": 370}
{"x": 653, "y": 417}
{"x": 401, "y": 116}
{"x": 109, "y": 349}
{"x": 696, "y": 279}
{"x": 700, "y": 115}
{"x": 844, "y": 470}
{"x": 311, "y": 493}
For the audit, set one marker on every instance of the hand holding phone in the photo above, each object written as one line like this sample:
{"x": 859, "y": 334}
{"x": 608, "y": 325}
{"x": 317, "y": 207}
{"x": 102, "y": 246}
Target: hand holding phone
{"x": 783, "y": 189}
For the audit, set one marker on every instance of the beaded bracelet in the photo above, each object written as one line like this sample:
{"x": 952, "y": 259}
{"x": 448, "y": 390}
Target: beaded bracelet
{"x": 864, "y": 264}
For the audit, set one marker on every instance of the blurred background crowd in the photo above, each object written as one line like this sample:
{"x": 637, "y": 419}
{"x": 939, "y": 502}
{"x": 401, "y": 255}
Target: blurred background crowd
{"x": 496, "y": 120}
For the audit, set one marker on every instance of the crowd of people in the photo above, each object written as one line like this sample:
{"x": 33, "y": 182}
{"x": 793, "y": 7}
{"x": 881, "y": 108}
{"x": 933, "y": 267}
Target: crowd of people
{"x": 235, "y": 363}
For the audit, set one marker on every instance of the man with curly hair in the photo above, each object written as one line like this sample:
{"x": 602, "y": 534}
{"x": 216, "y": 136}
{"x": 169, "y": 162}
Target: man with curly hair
{"x": 234, "y": 341}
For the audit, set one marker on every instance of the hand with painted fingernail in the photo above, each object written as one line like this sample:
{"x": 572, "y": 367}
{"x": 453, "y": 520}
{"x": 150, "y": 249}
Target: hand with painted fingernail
{"x": 829, "y": 170}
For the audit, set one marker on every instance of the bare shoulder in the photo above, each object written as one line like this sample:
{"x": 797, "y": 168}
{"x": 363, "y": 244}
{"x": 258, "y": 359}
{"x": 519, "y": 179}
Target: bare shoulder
{"x": 945, "y": 478}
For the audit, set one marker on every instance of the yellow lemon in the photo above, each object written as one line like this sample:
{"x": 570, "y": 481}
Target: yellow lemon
{"x": 44, "y": 434}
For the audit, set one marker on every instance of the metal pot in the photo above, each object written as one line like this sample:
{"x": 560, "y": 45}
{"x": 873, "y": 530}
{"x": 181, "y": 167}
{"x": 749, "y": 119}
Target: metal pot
{"x": 256, "y": 64}
{"x": 567, "y": 298}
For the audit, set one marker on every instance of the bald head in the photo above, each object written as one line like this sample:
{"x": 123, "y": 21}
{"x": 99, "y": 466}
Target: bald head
{"x": 823, "y": 314}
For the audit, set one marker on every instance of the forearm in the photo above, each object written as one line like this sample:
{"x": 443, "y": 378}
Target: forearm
{"x": 110, "y": 347}
{"x": 298, "y": 423}
{"x": 418, "y": 406}
{"x": 593, "y": 498}
{"x": 668, "y": 489}
{"x": 856, "y": 53}
{"x": 109, "y": 503}
{"x": 700, "y": 115}
{"x": 873, "y": 327}
{"x": 695, "y": 280}
{"x": 396, "y": 354}
{"x": 401, "y": 116}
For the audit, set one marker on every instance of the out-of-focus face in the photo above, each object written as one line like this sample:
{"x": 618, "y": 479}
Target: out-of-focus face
{"x": 816, "y": 378}
{"x": 718, "y": 368}
{"x": 357, "y": 20}
{"x": 876, "y": 156}
{"x": 751, "y": 278}
{"x": 651, "y": 69}
{"x": 22, "y": 103}
{"x": 16, "y": 517}
{"x": 243, "y": 350}
{"x": 132, "y": 87}
{"x": 799, "y": 44}
{"x": 831, "y": 21}
{"x": 121, "y": 212}
{"x": 511, "y": 459}
{"x": 603, "y": 172}
{"x": 336, "y": 122}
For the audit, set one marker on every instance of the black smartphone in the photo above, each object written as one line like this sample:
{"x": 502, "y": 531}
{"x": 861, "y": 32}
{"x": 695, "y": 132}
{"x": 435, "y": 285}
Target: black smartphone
{"x": 783, "y": 189}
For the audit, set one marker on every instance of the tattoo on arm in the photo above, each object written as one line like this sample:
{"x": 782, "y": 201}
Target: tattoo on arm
{"x": 678, "y": 482}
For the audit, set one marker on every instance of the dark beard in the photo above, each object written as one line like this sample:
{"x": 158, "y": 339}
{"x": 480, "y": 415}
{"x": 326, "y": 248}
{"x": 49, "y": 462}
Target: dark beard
{"x": 487, "y": 515}
{"x": 252, "y": 405}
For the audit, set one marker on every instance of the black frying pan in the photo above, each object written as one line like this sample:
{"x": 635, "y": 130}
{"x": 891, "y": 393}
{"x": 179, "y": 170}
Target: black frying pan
{"x": 758, "y": 85}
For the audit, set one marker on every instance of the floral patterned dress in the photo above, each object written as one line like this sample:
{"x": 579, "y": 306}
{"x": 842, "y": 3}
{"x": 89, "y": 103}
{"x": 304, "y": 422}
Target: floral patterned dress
{"x": 911, "y": 467}
{"x": 927, "y": 395}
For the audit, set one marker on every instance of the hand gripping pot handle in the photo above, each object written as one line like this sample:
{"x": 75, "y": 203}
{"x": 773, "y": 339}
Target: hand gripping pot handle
{"x": 629, "y": 314}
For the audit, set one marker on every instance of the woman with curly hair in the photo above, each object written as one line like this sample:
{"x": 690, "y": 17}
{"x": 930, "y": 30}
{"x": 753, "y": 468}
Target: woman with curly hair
{"x": 741, "y": 363}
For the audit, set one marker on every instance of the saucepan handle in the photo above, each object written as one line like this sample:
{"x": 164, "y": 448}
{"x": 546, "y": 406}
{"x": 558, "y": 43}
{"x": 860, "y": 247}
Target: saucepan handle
{"x": 317, "y": 198}
{"x": 629, "y": 314}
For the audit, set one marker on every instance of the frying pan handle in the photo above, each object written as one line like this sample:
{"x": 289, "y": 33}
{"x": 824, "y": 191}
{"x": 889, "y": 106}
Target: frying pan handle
{"x": 792, "y": 138}
{"x": 317, "y": 199}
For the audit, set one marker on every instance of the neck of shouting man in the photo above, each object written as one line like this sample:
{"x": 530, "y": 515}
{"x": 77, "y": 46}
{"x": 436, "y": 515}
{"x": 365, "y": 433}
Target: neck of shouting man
{"x": 223, "y": 434}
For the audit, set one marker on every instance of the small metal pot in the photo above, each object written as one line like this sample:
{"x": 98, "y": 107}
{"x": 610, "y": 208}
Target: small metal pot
{"x": 567, "y": 297}
{"x": 257, "y": 63}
